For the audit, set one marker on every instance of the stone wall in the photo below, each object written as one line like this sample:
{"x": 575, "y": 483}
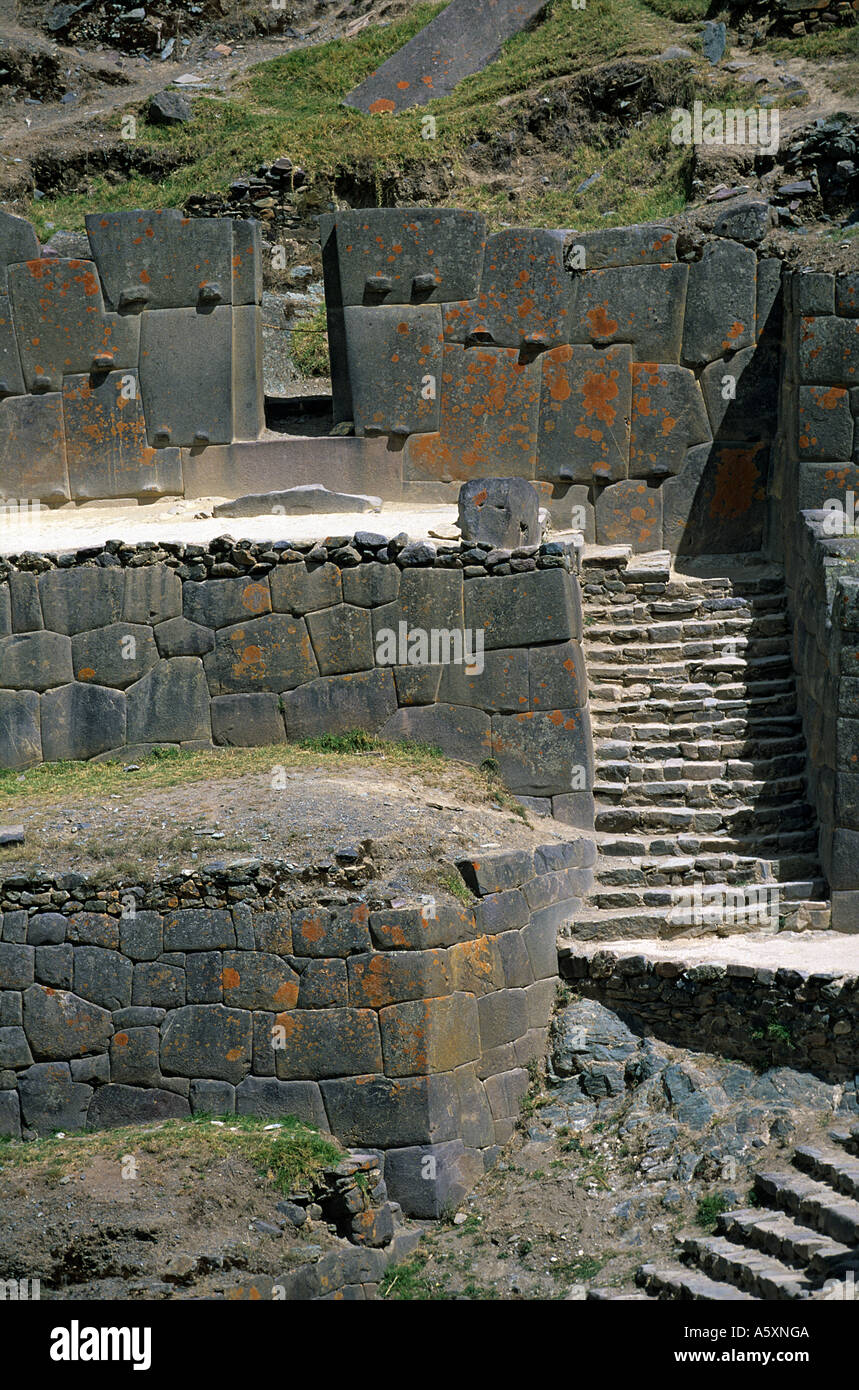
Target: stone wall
{"x": 250, "y": 989}
{"x": 755, "y": 1014}
{"x": 126, "y": 648}
{"x": 111, "y": 367}
{"x": 813, "y": 492}
{"x": 639, "y": 380}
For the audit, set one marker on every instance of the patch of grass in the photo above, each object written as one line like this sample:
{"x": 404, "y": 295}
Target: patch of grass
{"x": 289, "y": 1158}
{"x": 308, "y": 345}
{"x": 831, "y": 43}
{"x": 580, "y": 1269}
{"x": 409, "y": 1281}
{"x": 453, "y": 882}
{"x": 709, "y": 1208}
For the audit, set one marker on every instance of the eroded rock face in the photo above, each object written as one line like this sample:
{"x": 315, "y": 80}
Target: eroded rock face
{"x": 501, "y": 512}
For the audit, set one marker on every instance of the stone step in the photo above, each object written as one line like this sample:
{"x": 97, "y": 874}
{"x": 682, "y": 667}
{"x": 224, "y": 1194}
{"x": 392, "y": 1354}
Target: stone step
{"x": 794, "y": 1244}
{"x": 771, "y": 897}
{"x": 608, "y": 748}
{"x": 847, "y": 1137}
{"x": 730, "y": 795}
{"x": 736, "y": 820}
{"x": 616, "y": 871}
{"x": 614, "y": 702}
{"x": 709, "y": 732}
{"x": 688, "y": 1284}
{"x": 815, "y": 1202}
{"x": 748, "y": 1269}
{"x": 735, "y": 652}
{"x": 631, "y": 628}
{"x": 615, "y": 1296}
{"x": 829, "y": 1166}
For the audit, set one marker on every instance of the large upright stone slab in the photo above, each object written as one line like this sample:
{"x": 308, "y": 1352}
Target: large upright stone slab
{"x": 62, "y": 324}
{"x": 824, "y": 423}
{"x": 80, "y": 721}
{"x": 720, "y": 303}
{"x": 829, "y": 350}
{"x": 489, "y": 411}
{"x": 405, "y": 255}
{"x": 741, "y": 392}
{"x": 18, "y": 243}
{"x": 248, "y": 395}
{"x": 170, "y": 704}
{"x": 106, "y": 447}
{"x": 585, "y": 395}
{"x": 80, "y": 599}
{"x": 668, "y": 418}
{"x": 162, "y": 259}
{"x": 33, "y": 449}
{"x": 11, "y": 376}
{"x": 247, "y": 261}
{"x": 463, "y": 39}
{"x": 716, "y": 503}
{"x": 272, "y": 652}
{"x": 20, "y": 741}
{"x": 526, "y": 295}
{"x": 394, "y": 354}
{"x": 642, "y": 305}
{"x": 186, "y": 376}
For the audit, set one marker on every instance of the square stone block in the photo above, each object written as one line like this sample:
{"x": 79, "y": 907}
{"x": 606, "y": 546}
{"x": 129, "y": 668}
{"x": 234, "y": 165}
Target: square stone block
{"x": 162, "y": 259}
{"x": 668, "y": 418}
{"x": 186, "y": 376}
{"x": 544, "y": 753}
{"x": 33, "y": 450}
{"x": 585, "y": 399}
{"x": 62, "y": 325}
{"x": 382, "y": 252}
{"x": 526, "y": 295}
{"x": 642, "y": 306}
{"x": 630, "y": 513}
{"x": 395, "y": 362}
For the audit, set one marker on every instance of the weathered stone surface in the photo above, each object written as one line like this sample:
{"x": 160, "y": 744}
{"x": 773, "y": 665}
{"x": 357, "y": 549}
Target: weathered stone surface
{"x": 392, "y": 350}
{"x": 720, "y": 303}
{"x": 370, "y": 585}
{"x": 33, "y": 450}
{"x": 427, "y": 599}
{"x": 93, "y": 929}
{"x": 459, "y": 731}
{"x": 824, "y": 423}
{"x": 50, "y": 1100}
{"x": 630, "y": 513}
{"x": 648, "y": 244}
{"x": 134, "y": 1057}
{"x": 213, "y": 1097}
{"x": 20, "y": 736}
{"x": 106, "y": 447}
{"x": 557, "y": 677}
{"x": 170, "y": 703}
{"x": 342, "y": 639}
{"x": 295, "y": 501}
{"x": 429, "y": 1035}
{"x": 18, "y": 243}
{"x": 387, "y": 1112}
{"x": 180, "y": 637}
{"x": 641, "y": 305}
{"x": 668, "y": 417}
{"x": 80, "y": 599}
{"x": 46, "y": 929}
{"x": 585, "y": 398}
{"x": 417, "y": 685}
{"x": 381, "y": 978}
{"x": 192, "y": 405}
{"x": 115, "y": 1105}
{"x": 445, "y": 243}
{"x": 525, "y": 296}
{"x": 207, "y": 1040}
{"x": 328, "y": 1042}
{"x": 255, "y": 980}
{"x": 741, "y": 393}
{"x": 338, "y": 931}
{"x": 337, "y": 704}
{"x": 503, "y": 1017}
{"x": 11, "y": 376}
{"x": 55, "y": 966}
{"x": 198, "y": 929}
{"x": 141, "y": 935}
{"x": 747, "y": 221}
{"x": 116, "y": 655}
{"x": 247, "y": 386}
{"x": 246, "y": 721}
{"x": 542, "y": 606}
{"x": 416, "y": 928}
{"x": 10, "y": 1115}
{"x": 429, "y": 1197}
{"x": 324, "y": 984}
{"x": 158, "y": 984}
{"x": 273, "y": 652}
{"x": 216, "y": 603}
{"x": 543, "y": 754}
{"x": 35, "y": 660}
{"x": 489, "y": 410}
{"x": 26, "y": 610}
{"x": 103, "y": 977}
{"x": 247, "y": 261}
{"x": 16, "y": 965}
{"x": 715, "y": 505}
{"x": 502, "y": 685}
{"x": 499, "y": 512}
{"x": 302, "y": 588}
{"x": 153, "y": 594}
{"x": 161, "y": 259}
{"x": 265, "y": 1096}
{"x": 63, "y": 328}
{"x": 168, "y": 108}
{"x": 61, "y": 1025}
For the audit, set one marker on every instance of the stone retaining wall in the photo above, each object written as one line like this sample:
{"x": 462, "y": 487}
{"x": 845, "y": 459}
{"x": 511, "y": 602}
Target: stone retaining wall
{"x": 126, "y": 648}
{"x": 242, "y": 989}
{"x": 757, "y": 1015}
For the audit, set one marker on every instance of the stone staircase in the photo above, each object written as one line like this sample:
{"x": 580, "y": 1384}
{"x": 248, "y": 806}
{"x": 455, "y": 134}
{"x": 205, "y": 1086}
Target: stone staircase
{"x": 801, "y": 1241}
{"x": 702, "y": 822}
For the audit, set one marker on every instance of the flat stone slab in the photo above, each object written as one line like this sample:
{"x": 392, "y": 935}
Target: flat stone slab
{"x": 33, "y": 450}
{"x": 162, "y": 259}
{"x": 463, "y": 39}
{"x": 397, "y": 255}
{"x": 62, "y": 324}
{"x": 296, "y": 501}
{"x": 106, "y": 447}
{"x": 394, "y": 354}
{"x": 585, "y": 395}
{"x": 186, "y": 376}
{"x": 810, "y": 952}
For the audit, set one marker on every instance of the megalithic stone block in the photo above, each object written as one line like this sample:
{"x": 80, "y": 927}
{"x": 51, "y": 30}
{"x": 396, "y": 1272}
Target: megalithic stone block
{"x": 642, "y": 305}
{"x": 395, "y": 367}
{"x": 162, "y": 259}
{"x": 186, "y": 376}
{"x": 741, "y": 392}
{"x": 820, "y": 483}
{"x": 668, "y": 418}
{"x": 33, "y": 449}
{"x": 720, "y": 303}
{"x": 489, "y": 411}
{"x": 106, "y": 446}
{"x": 11, "y": 376}
{"x": 649, "y": 244}
{"x": 630, "y": 513}
{"x": 824, "y": 423}
{"x": 716, "y": 504}
{"x": 20, "y": 740}
{"x": 463, "y": 39}
{"x": 247, "y": 261}
{"x": 248, "y": 397}
{"x": 384, "y": 254}
{"x": 18, "y": 243}
{"x": 62, "y": 325}
{"x": 829, "y": 351}
{"x": 585, "y": 396}
{"x": 526, "y": 296}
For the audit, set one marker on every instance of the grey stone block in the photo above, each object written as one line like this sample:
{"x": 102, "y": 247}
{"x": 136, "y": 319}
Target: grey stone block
{"x": 630, "y": 513}
{"x": 540, "y": 938}
{"x": 79, "y": 721}
{"x": 370, "y": 585}
{"x": 506, "y": 1091}
{"x": 50, "y": 1100}
{"x": 76, "y": 600}
{"x": 417, "y": 685}
{"x": 16, "y": 965}
{"x": 180, "y": 637}
{"x": 14, "y": 926}
{"x": 26, "y": 610}
{"x": 247, "y": 261}
{"x": 11, "y": 376}
{"x": 302, "y": 588}
{"x": 247, "y": 721}
{"x": 824, "y": 423}
{"x": 741, "y": 393}
{"x": 204, "y": 979}
{"x": 720, "y": 303}
{"x": 215, "y": 603}
{"x": 716, "y": 504}
{"x": 392, "y": 350}
{"x": 526, "y": 295}
{"x": 297, "y": 501}
{"x": 541, "y": 606}
{"x": 153, "y": 594}
{"x": 33, "y": 450}
{"x": 14, "y": 1050}
{"x": 10, "y": 1115}
{"x": 159, "y": 984}
{"x": 60, "y": 1025}
{"x": 268, "y": 653}
{"x": 500, "y": 512}
{"x": 648, "y": 244}
{"x": 328, "y": 1042}
{"x": 501, "y": 911}
{"x": 585, "y": 404}
{"x": 18, "y": 242}
{"x": 503, "y": 1017}
{"x": 186, "y": 376}
{"x": 339, "y": 931}
{"x": 63, "y": 327}
{"x": 134, "y": 1057}
{"x": 198, "y": 929}
{"x": 338, "y": 704}
{"x": 213, "y": 1097}
{"x": 93, "y": 929}
{"x": 342, "y": 639}
{"x": 459, "y": 731}
{"x": 829, "y": 351}
{"x": 668, "y": 418}
{"x": 544, "y": 754}
{"x": 496, "y": 873}
{"x": 207, "y": 1040}
{"x": 170, "y": 703}
{"x": 444, "y": 243}
{"x": 557, "y": 677}
{"x": 747, "y": 221}
{"x": 407, "y": 1178}
{"x": 116, "y": 655}
{"x": 103, "y": 977}
{"x": 20, "y": 736}
{"x": 256, "y": 980}
{"x": 116, "y": 1105}
{"x": 641, "y": 305}
{"x": 92, "y": 1071}
{"x": 161, "y": 259}
{"x": 813, "y": 292}
{"x": 36, "y": 660}
{"x": 502, "y": 685}
{"x": 323, "y": 984}
{"x": 55, "y": 966}
{"x": 106, "y": 447}
{"x": 389, "y": 1112}
{"x": 265, "y": 1096}
{"x": 248, "y": 396}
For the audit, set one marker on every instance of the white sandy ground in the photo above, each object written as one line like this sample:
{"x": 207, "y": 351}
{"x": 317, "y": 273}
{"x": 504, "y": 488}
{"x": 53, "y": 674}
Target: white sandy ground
{"x": 810, "y": 952}
{"x": 73, "y": 528}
